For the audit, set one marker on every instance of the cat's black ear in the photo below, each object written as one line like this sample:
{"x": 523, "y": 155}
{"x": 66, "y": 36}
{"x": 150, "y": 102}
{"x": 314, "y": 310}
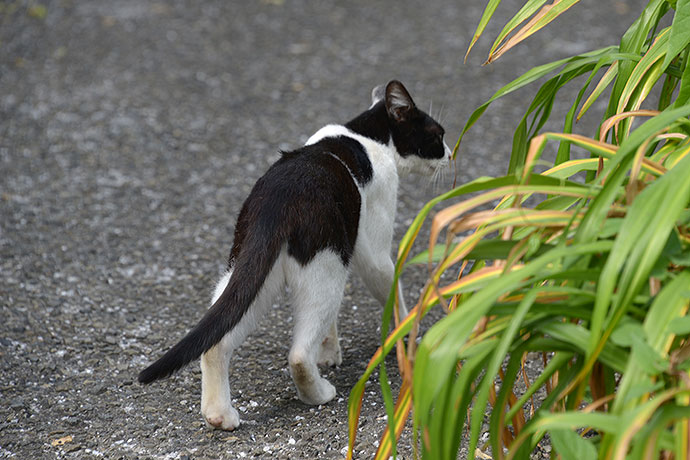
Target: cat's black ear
{"x": 399, "y": 103}
{"x": 378, "y": 93}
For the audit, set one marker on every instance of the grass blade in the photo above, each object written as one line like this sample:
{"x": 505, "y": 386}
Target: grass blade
{"x": 527, "y": 10}
{"x": 680, "y": 31}
{"x": 684, "y": 89}
{"x": 547, "y": 14}
{"x": 531, "y": 76}
{"x": 486, "y": 17}
{"x": 605, "y": 81}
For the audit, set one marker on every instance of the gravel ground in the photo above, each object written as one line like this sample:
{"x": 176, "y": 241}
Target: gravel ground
{"x": 130, "y": 133}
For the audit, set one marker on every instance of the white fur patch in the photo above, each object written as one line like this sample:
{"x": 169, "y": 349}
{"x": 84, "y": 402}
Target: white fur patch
{"x": 220, "y": 286}
{"x": 377, "y": 94}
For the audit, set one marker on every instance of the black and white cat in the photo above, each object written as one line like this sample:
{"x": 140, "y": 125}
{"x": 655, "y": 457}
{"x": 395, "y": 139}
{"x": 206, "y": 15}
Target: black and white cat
{"x": 317, "y": 212}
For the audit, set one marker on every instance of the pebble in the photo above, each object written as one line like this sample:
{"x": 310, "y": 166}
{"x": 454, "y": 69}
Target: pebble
{"x": 17, "y": 403}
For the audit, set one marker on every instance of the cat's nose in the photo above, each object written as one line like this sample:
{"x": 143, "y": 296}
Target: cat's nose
{"x": 448, "y": 152}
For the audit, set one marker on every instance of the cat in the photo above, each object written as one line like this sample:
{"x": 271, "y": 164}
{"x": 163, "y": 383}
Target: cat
{"x": 318, "y": 211}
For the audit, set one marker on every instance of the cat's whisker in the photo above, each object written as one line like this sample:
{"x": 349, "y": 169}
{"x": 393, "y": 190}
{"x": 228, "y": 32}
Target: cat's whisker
{"x": 443, "y": 174}
{"x": 434, "y": 181}
{"x": 438, "y": 176}
{"x": 440, "y": 113}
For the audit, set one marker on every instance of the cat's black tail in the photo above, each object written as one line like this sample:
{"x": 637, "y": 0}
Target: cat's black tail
{"x": 250, "y": 269}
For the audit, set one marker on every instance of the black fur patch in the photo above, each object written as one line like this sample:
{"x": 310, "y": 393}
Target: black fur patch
{"x": 309, "y": 199}
{"x": 350, "y": 152}
{"x": 373, "y": 123}
{"x": 419, "y": 134}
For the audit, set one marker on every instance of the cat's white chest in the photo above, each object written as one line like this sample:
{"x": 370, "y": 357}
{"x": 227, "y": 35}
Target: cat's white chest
{"x": 381, "y": 193}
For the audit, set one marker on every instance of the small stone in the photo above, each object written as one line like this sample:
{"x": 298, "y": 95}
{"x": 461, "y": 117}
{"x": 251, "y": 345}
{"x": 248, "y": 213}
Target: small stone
{"x": 73, "y": 448}
{"x": 17, "y": 403}
{"x": 98, "y": 389}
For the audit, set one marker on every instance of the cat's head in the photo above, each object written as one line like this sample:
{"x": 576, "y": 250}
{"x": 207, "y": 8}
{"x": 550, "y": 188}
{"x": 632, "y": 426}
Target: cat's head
{"x": 418, "y": 138}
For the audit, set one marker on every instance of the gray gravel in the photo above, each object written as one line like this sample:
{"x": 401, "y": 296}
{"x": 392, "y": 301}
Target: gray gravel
{"x": 130, "y": 133}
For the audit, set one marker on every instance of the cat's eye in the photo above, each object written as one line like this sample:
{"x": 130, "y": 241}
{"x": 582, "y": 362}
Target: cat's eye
{"x": 436, "y": 137}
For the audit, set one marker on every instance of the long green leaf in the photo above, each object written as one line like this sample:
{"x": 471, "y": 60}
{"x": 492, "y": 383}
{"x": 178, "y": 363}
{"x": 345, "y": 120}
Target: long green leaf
{"x": 633, "y": 42}
{"x": 458, "y": 399}
{"x": 578, "y": 337}
{"x": 547, "y": 14}
{"x": 658, "y": 326}
{"x": 571, "y": 420}
{"x": 555, "y": 363}
{"x": 357, "y": 392}
{"x": 531, "y": 76}
{"x": 605, "y": 81}
{"x": 497, "y": 358}
{"x": 486, "y": 17}
{"x": 620, "y": 164}
{"x": 684, "y": 89}
{"x": 571, "y": 446}
{"x": 641, "y": 73}
{"x": 437, "y": 353}
{"x": 639, "y": 244}
{"x": 680, "y": 31}
{"x": 527, "y": 10}
{"x": 563, "y": 153}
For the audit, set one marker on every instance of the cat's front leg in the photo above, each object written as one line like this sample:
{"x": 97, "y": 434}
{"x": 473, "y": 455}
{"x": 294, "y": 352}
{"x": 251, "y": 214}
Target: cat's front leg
{"x": 377, "y": 271}
{"x": 311, "y": 387}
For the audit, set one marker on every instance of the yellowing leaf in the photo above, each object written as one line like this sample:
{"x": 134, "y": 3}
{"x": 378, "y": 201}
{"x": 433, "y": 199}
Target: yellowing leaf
{"x": 61, "y": 441}
{"x": 547, "y": 14}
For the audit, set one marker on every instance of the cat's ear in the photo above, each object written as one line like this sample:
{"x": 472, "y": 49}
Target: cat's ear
{"x": 378, "y": 93}
{"x": 399, "y": 103}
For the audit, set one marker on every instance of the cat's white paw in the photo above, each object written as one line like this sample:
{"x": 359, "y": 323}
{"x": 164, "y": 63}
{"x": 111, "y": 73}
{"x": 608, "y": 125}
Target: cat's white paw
{"x": 311, "y": 387}
{"x": 319, "y": 393}
{"x": 221, "y": 418}
{"x": 329, "y": 354}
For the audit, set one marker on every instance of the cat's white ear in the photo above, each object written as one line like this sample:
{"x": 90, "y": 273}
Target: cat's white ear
{"x": 378, "y": 93}
{"x": 399, "y": 103}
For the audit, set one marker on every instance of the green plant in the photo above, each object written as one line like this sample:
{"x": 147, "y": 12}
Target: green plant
{"x": 594, "y": 279}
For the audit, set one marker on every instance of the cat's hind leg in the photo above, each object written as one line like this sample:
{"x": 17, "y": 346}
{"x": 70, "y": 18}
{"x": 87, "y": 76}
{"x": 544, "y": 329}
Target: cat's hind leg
{"x": 316, "y": 291}
{"x": 216, "y": 401}
{"x": 329, "y": 351}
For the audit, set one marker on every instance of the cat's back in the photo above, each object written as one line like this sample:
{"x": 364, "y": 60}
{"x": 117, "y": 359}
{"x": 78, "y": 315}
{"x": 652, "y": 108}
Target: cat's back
{"x": 311, "y": 197}
{"x": 317, "y": 159}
